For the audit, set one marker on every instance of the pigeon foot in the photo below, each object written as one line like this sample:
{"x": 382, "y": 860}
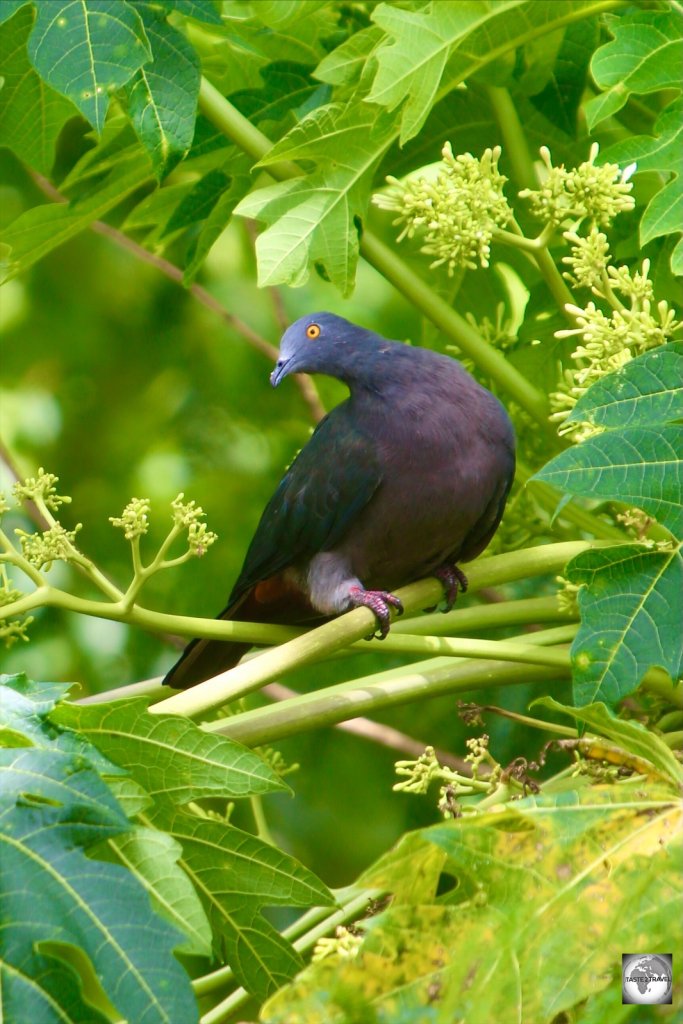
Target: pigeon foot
{"x": 453, "y": 580}
{"x": 379, "y": 602}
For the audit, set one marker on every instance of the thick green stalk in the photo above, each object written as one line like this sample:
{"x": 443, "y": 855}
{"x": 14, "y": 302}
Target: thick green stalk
{"x": 368, "y": 695}
{"x": 356, "y": 624}
{"x": 503, "y": 650}
{"x": 239, "y": 129}
{"x": 463, "y": 621}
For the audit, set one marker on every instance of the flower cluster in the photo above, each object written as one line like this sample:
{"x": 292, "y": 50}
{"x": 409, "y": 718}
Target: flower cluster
{"x": 53, "y": 545}
{"x": 187, "y": 516}
{"x": 134, "y": 520}
{"x": 457, "y": 212}
{"x": 11, "y": 630}
{"x": 609, "y": 340}
{"x": 567, "y": 596}
{"x": 42, "y": 490}
{"x": 420, "y": 773}
{"x": 344, "y": 945}
{"x": 598, "y": 194}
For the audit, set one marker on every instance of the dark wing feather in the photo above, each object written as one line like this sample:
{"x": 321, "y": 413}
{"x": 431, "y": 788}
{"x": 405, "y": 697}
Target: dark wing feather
{"x": 326, "y": 487}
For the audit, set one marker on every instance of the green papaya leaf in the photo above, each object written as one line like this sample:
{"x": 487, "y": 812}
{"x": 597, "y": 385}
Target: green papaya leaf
{"x": 316, "y": 219}
{"x": 53, "y": 810}
{"x": 237, "y": 874}
{"x": 630, "y": 594}
{"x": 169, "y": 756}
{"x": 489, "y": 949}
{"x": 646, "y": 390}
{"x": 662, "y": 152}
{"x": 162, "y": 95}
{"x": 87, "y": 48}
{"x": 630, "y": 735}
{"x": 630, "y": 619}
{"x": 152, "y": 858}
{"x": 31, "y": 113}
{"x": 640, "y": 466}
{"x": 644, "y": 56}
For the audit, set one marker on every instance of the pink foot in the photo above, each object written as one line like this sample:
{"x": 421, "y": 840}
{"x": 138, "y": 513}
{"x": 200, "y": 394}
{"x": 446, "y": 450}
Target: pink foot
{"x": 379, "y": 602}
{"x": 453, "y": 580}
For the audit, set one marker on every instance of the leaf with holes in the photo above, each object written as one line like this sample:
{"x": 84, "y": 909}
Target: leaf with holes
{"x": 87, "y": 48}
{"x": 594, "y": 856}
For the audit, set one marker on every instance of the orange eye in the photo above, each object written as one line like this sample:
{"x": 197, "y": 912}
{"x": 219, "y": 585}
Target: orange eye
{"x": 312, "y": 331}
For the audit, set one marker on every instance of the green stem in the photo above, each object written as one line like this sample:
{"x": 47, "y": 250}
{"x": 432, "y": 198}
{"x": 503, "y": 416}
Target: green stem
{"x": 525, "y": 176}
{"x": 462, "y": 621}
{"x": 355, "y": 625}
{"x": 239, "y": 129}
{"x": 502, "y": 650}
{"x": 262, "y": 829}
{"x": 370, "y": 694}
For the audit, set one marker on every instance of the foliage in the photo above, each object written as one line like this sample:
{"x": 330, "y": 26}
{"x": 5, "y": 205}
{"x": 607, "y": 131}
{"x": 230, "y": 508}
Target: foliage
{"x": 497, "y": 179}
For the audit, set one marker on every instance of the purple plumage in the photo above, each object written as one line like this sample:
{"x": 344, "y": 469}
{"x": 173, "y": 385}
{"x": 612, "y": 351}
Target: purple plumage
{"x": 408, "y": 477}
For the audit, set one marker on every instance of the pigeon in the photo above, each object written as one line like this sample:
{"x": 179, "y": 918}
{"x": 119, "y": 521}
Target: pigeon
{"x": 406, "y": 478}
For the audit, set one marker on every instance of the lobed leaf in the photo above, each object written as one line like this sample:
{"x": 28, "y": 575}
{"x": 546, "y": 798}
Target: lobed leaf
{"x": 57, "y": 899}
{"x": 152, "y": 858}
{"x": 411, "y": 65}
{"x": 87, "y": 48}
{"x": 630, "y": 619}
{"x": 640, "y": 466}
{"x": 236, "y": 874}
{"x": 629, "y": 601}
{"x": 316, "y": 219}
{"x": 489, "y": 949}
{"x": 662, "y": 152}
{"x": 169, "y": 756}
{"x": 644, "y": 56}
{"x": 162, "y": 96}
{"x": 31, "y": 113}
{"x": 646, "y": 390}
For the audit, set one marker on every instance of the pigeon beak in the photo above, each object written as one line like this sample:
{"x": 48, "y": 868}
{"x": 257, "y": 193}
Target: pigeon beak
{"x": 280, "y": 371}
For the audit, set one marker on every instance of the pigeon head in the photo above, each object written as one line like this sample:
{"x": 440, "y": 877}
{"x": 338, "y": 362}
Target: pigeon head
{"x": 323, "y": 343}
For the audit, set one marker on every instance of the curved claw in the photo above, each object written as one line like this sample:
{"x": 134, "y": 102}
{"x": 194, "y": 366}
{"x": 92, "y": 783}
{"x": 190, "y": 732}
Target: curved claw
{"x": 379, "y": 602}
{"x": 453, "y": 580}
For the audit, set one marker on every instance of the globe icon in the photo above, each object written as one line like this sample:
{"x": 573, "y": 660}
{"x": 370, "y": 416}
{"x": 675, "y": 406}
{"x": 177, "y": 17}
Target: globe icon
{"x": 647, "y": 979}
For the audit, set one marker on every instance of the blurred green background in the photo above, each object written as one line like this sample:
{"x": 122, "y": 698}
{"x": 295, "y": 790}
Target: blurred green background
{"x": 120, "y": 382}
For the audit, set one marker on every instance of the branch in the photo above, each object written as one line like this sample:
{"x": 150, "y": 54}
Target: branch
{"x": 356, "y": 624}
{"x": 304, "y": 383}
